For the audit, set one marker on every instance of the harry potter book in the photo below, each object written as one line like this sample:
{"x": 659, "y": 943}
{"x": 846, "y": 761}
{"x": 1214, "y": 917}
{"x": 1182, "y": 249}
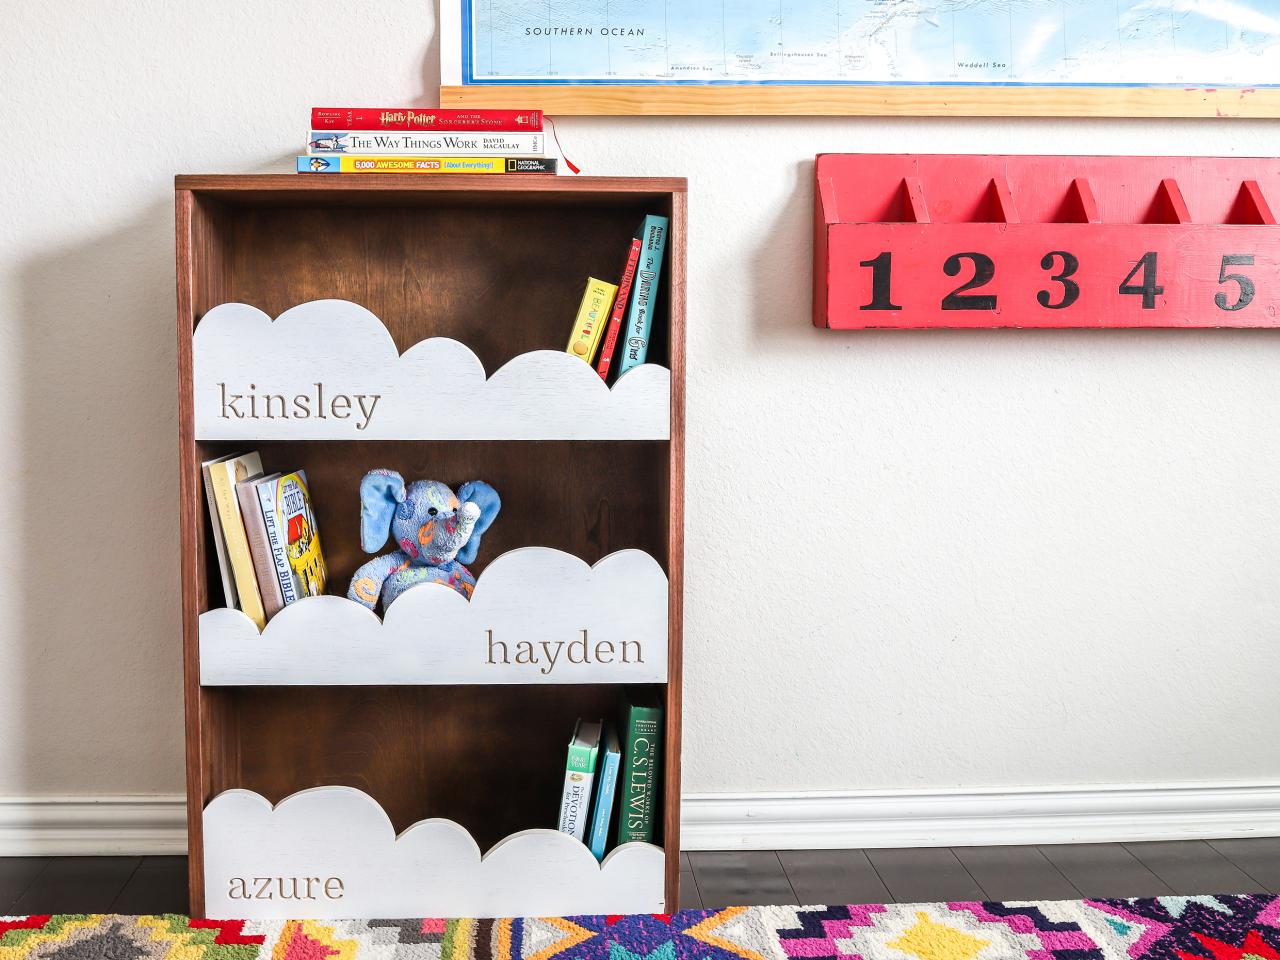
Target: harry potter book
{"x": 403, "y": 118}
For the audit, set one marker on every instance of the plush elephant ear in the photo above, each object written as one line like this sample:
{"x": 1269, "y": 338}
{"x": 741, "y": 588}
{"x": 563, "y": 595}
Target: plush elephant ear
{"x": 487, "y": 499}
{"x": 380, "y": 492}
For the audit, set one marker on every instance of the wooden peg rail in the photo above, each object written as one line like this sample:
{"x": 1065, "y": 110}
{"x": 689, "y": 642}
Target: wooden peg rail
{"x": 915, "y": 242}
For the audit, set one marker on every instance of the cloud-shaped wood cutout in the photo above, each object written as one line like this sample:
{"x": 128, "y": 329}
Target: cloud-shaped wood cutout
{"x": 331, "y": 852}
{"x": 330, "y": 370}
{"x": 537, "y": 615}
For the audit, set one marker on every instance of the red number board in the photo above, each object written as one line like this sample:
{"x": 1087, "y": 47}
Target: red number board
{"x": 913, "y": 242}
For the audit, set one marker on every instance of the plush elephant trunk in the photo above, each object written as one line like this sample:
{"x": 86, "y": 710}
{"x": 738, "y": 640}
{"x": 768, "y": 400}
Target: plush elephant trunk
{"x": 468, "y": 514}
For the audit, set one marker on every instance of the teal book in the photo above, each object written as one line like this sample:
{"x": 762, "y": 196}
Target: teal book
{"x": 606, "y": 789}
{"x": 638, "y": 327}
{"x": 579, "y": 772}
{"x": 640, "y": 779}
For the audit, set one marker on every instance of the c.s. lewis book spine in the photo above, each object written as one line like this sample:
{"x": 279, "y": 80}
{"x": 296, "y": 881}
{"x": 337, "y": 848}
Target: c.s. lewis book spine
{"x": 641, "y": 768}
{"x": 427, "y": 165}
{"x": 644, "y": 293}
{"x": 400, "y": 143}
{"x": 579, "y": 772}
{"x": 619, "y": 308}
{"x": 399, "y": 118}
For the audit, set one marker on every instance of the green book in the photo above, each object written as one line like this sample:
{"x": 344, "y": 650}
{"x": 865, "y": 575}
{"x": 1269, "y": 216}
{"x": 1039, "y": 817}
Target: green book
{"x": 579, "y": 772}
{"x": 640, "y": 781}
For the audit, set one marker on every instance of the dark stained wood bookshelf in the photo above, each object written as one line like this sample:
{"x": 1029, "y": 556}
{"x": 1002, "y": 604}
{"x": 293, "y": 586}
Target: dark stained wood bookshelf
{"x": 498, "y": 263}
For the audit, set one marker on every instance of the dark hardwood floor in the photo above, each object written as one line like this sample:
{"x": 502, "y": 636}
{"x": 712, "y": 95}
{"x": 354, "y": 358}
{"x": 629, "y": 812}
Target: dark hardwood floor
{"x": 737, "y": 878}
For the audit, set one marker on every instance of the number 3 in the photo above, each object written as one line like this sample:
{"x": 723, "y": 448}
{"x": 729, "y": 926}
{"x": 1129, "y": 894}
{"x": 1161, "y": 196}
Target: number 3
{"x": 1070, "y": 289}
{"x": 1247, "y": 289}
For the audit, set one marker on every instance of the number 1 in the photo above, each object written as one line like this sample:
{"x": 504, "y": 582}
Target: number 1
{"x": 881, "y": 271}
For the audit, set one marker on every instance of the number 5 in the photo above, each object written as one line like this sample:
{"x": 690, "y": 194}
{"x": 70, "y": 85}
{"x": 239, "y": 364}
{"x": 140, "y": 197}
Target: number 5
{"x": 1247, "y": 289}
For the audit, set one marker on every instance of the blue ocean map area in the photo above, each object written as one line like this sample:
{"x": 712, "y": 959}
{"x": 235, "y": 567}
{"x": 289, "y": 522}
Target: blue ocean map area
{"x": 1105, "y": 42}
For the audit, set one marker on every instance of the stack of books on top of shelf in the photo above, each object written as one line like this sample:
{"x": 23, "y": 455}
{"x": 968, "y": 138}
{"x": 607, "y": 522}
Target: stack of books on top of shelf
{"x": 402, "y": 140}
{"x": 615, "y": 321}
{"x": 612, "y": 776}
{"x": 265, "y": 535}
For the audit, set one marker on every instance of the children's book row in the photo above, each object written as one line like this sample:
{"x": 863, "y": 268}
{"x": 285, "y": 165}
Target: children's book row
{"x": 612, "y": 776}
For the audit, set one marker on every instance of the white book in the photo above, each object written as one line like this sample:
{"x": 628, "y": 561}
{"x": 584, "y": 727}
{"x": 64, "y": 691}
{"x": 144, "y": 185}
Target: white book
{"x": 579, "y": 774}
{"x": 443, "y": 143}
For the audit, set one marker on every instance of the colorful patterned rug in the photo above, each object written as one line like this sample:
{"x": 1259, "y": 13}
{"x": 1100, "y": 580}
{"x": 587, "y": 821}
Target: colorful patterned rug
{"x": 1168, "y": 928}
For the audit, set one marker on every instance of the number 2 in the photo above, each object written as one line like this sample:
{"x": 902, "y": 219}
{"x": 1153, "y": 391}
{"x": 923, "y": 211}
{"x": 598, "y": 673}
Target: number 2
{"x": 984, "y": 269}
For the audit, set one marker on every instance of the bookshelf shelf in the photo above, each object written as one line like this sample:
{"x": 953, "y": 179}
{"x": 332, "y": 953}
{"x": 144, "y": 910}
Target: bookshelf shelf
{"x": 330, "y": 370}
{"x": 481, "y": 277}
{"x": 340, "y": 835}
{"x": 578, "y": 624}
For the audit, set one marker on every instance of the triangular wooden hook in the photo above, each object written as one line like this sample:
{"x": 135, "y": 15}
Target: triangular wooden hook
{"x": 996, "y": 205}
{"x": 1079, "y": 205}
{"x": 1168, "y": 205}
{"x": 1251, "y": 206}
{"x": 908, "y": 204}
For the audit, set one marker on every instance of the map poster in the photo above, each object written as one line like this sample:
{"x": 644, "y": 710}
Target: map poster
{"x": 1105, "y": 43}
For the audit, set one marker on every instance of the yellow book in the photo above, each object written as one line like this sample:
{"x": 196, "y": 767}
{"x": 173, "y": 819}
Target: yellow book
{"x": 223, "y": 477}
{"x": 593, "y": 316}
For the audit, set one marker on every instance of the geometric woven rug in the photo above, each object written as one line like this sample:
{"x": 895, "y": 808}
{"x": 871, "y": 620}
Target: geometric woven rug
{"x": 1223, "y": 927}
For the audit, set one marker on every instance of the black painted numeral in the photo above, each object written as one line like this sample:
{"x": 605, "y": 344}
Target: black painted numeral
{"x": 984, "y": 270}
{"x": 1246, "y": 285}
{"x": 1148, "y": 289}
{"x": 1070, "y": 289}
{"x": 881, "y": 277}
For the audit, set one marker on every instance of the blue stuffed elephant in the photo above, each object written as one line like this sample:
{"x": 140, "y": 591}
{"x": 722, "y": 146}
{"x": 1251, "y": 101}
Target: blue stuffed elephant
{"x": 437, "y": 530}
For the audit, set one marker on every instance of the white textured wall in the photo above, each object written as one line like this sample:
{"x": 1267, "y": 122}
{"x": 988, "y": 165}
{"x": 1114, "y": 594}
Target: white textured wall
{"x": 913, "y": 560}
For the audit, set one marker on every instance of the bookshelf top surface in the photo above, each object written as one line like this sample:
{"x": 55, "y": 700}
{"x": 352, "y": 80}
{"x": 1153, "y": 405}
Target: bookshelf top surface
{"x": 231, "y": 186}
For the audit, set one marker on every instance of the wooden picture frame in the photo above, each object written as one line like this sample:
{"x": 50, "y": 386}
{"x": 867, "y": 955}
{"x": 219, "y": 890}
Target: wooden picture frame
{"x": 497, "y": 263}
{"x": 1254, "y": 97}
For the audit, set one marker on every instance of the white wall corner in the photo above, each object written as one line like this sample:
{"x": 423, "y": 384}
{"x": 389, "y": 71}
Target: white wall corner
{"x": 156, "y": 825}
{"x": 92, "y": 826}
{"x": 969, "y": 817}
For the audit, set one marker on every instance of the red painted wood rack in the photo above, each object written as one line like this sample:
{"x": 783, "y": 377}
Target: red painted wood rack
{"x": 943, "y": 240}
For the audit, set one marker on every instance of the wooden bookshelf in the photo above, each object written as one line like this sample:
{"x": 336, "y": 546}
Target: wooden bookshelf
{"x": 499, "y": 264}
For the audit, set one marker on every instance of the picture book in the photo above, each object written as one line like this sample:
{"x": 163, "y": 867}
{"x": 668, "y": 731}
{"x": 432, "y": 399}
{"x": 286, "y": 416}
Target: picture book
{"x": 610, "y": 340}
{"x": 219, "y": 541}
{"x": 644, "y": 293}
{"x": 606, "y": 790}
{"x": 255, "y": 530}
{"x": 640, "y": 777}
{"x": 593, "y": 314}
{"x": 224, "y": 475}
{"x": 293, "y": 536}
{"x": 579, "y": 772}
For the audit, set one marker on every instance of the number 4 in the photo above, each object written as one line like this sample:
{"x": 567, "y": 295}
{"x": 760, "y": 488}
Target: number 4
{"x": 1148, "y": 289}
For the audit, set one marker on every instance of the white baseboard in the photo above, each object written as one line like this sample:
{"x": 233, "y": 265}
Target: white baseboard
{"x": 92, "y": 826}
{"x": 981, "y": 817}
{"x": 150, "y": 825}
